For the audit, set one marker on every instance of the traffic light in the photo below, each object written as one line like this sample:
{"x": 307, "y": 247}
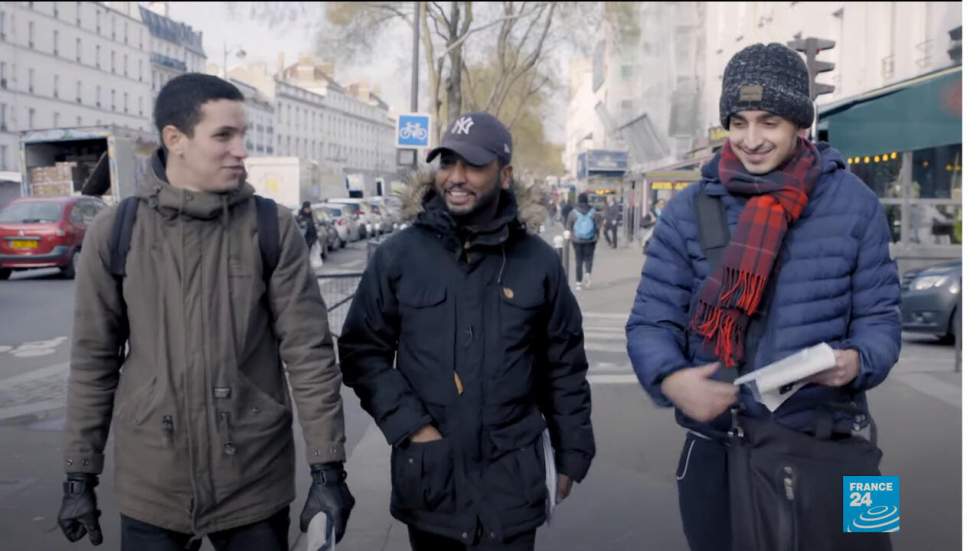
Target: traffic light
{"x": 810, "y": 48}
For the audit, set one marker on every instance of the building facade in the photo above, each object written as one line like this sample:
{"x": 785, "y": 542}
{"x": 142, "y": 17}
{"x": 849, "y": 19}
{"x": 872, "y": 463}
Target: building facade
{"x": 65, "y": 64}
{"x": 346, "y": 130}
{"x": 175, "y": 48}
{"x": 261, "y": 116}
{"x": 889, "y": 57}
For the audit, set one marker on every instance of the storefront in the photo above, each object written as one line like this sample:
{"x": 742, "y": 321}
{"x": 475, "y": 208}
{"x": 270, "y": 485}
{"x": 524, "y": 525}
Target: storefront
{"x": 905, "y": 143}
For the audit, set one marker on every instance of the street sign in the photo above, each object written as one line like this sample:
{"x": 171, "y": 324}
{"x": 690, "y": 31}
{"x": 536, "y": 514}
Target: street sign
{"x": 413, "y": 131}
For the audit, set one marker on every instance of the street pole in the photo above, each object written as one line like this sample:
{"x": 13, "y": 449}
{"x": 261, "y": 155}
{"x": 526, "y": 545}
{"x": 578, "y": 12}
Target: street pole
{"x": 415, "y": 75}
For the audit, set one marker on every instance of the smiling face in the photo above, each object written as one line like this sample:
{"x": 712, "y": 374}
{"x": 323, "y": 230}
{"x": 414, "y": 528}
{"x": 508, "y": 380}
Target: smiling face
{"x": 212, "y": 157}
{"x": 468, "y": 189}
{"x": 761, "y": 140}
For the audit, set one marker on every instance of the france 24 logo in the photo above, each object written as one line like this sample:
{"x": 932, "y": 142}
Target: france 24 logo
{"x": 872, "y": 504}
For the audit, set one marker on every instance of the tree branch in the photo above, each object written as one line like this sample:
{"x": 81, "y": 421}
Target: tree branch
{"x": 461, "y": 39}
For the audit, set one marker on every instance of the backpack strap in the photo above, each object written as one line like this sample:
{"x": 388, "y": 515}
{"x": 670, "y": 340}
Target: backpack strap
{"x": 712, "y": 227}
{"x": 267, "y": 220}
{"x": 122, "y": 234}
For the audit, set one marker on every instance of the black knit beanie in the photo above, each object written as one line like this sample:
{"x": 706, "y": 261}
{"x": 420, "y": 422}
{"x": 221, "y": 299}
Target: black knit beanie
{"x": 767, "y": 77}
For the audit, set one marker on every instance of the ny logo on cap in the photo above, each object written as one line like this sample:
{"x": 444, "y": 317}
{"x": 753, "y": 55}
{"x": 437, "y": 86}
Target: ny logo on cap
{"x": 463, "y": 126}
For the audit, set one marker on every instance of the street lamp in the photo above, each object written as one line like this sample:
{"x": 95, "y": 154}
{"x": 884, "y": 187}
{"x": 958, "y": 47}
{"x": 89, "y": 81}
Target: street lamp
{"x": 240, "y": 54}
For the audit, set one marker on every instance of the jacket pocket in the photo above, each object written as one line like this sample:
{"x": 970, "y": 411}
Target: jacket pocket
{"x": 422, "y": 476}
{"x": 254, "y": 435}
{"x": 424, "y": 351}
{"x": 515, "y": 476}
{"x": 138, "y": 405}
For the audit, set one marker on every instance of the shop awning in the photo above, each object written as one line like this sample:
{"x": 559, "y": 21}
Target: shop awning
{"x": 926, "y": 112}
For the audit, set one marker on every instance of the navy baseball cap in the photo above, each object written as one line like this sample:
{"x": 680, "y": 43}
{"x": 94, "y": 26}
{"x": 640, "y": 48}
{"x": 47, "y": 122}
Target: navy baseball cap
{"x": 478, "y": 138}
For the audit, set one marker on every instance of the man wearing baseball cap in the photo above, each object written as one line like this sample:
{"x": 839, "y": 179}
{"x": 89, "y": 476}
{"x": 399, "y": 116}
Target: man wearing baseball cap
{"x": 490, "y": 354}
{"x": 806, "y": 262}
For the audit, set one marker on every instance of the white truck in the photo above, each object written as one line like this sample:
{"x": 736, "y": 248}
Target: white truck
{"x": 288, "y": 180}
{"x": 105, "y": 161}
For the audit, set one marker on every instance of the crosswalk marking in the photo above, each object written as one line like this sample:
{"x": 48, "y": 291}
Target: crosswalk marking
{"x": 605, "y": 346}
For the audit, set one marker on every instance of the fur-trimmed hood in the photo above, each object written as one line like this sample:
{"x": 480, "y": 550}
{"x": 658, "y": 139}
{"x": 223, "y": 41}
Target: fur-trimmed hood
{"x": 531, "y": 200}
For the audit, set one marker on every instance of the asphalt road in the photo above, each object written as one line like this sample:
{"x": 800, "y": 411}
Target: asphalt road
{"x": 627, "y": 502}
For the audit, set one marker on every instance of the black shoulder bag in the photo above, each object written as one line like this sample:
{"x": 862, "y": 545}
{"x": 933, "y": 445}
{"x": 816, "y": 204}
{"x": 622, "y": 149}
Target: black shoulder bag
{"x": 786, "y": 488}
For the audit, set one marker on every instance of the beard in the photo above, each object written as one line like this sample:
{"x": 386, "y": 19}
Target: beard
{"x": 483, "y": 207}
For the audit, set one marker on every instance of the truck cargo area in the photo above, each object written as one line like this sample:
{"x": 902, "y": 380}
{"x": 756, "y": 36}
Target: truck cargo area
{"x": 64, "y": 167}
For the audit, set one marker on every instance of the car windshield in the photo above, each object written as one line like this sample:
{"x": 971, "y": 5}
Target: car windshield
{"x": 30, "y": 212}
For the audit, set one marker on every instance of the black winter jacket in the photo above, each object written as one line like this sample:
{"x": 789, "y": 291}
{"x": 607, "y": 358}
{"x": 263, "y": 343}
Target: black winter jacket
{"x": 492, "y": 307}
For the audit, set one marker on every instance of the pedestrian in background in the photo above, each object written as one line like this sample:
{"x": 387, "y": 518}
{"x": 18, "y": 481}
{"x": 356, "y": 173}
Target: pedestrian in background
{"x": 582, "y": 227}
{"x": 477, "y": 316}
{"x": 807, "y": 262}
{"x": 182, "y": 352}
{"x": 613, "y": 218}
{"x": 307, "y": 226}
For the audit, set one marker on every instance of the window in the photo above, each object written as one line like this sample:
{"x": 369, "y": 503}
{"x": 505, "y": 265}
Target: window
{"x": 98, "y": 56}
{"x": 55, "y": 11}
{"x": 30, "y": 80}
{"x": 125, "y": 33}
{"x": 78, "y": 121}
{"x": 139, "y": 101}
{"x": 3, "y": 25}
{"x": 112, "y": 61}
{"x": 113, "y": 19}
{"x": 3, "y": 75}
{"x": 140, "y": 73}
{"x": 54, "y": 38}
{"x": 3, "y": 157}
{"x": 30, "y": 118}
{"x": 98, "y": 96}
{"x": 56, "y": 83}
{"x": 78, "y": 14}
{"x": 78, "y": 50}
{"x": 3, "y": 117}
{"x": 112, "y": 96}
{"x": 125, "y": 65}
{"x": 56, "y": 120}
{"x": 30, "y": 34}
{"x": 125, "y": 102}
{"x": 98, "y": 21}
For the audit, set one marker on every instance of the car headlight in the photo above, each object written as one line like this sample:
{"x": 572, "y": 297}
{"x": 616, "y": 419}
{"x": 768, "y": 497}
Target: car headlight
{"x": 954, "y": 287}
{"x": 928, "y": 282}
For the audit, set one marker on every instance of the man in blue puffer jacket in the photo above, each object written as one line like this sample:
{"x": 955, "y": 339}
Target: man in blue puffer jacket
{"x": 809, "y": 244}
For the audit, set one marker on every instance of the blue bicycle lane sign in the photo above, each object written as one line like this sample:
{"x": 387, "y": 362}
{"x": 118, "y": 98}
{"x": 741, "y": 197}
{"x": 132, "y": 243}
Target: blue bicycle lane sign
{"x": 413, "y": 131}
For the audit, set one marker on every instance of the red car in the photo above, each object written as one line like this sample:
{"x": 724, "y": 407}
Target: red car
{"x": 45, "y": 232}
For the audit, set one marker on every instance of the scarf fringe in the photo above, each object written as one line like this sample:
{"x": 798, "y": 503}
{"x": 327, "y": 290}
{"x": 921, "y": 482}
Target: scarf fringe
{"x": 742, "y": 290}
{"x": 723, "y": 326}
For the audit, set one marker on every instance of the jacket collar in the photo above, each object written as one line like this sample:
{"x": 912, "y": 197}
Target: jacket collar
{"x": 435, "y": 218}
{"x": 172, "y": 201}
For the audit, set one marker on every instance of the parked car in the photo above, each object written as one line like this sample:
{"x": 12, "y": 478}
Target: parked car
{"x": 931, "y": 299}
{"x": 330, "y": 238}
{"x": 341, "y": 222}
{"x": 387, "y": 219}
{"x": 368, "y": 219}
{"x": 45, "y": 232}
{"x": 358, "y": 226}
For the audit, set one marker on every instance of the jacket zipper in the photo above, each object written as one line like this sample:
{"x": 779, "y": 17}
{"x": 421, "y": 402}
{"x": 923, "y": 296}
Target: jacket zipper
{"x": 789, "y": 489}
{"x": 168, "y": 430}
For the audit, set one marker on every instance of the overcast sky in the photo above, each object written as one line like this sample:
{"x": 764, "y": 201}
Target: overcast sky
{"x": 389, "y": 72}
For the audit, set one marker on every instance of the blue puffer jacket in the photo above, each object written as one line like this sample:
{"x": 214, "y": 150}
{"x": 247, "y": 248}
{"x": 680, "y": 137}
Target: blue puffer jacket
{"x": 836, "y": 284}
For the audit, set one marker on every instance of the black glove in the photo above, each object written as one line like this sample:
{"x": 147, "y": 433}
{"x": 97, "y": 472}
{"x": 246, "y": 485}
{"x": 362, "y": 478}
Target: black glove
{"x": 79, "y": 511}
{"x": 328, "y": 493}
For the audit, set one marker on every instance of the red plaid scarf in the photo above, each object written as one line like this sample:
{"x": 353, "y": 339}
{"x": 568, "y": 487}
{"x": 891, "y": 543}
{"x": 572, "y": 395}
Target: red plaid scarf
{"x": 734, "y": 289}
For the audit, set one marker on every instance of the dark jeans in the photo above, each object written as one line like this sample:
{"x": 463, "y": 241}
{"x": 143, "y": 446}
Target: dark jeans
{"x": 614, "y": 228}
{"x": 584, "y": 252}
{"x": 702, "y": 486}
{"x": 427, "y": 541}
{"x": 271, "y": 534}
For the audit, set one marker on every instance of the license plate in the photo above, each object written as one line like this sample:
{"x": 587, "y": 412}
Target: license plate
{"x": 23, "y": 244}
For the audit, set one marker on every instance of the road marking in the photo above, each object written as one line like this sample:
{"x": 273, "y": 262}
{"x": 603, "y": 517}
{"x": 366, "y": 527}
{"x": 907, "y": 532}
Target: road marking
{"x": 35, "y": 374}
{"x": 30, "y": 409}
{"x": 591, "y": 346}
{"x": 600, "y": 315}
{"x": 931, "y": 386}
{"x": 34, "y": 349}
{"x": 610, "y": 379}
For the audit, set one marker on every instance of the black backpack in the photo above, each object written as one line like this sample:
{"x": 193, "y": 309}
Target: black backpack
{"x": 122, "y": 233}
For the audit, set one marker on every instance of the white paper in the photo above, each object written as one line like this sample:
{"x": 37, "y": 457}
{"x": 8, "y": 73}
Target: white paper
{"x": 317, "y": 538}
{"x": 550, "y": 473}
{"x": 775, "y": 383}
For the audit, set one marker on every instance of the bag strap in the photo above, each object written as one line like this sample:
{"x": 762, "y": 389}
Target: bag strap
{"x": 267, "y": 219}
{"x": 712, "y": 227}
{"x": 122, "y": 234}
